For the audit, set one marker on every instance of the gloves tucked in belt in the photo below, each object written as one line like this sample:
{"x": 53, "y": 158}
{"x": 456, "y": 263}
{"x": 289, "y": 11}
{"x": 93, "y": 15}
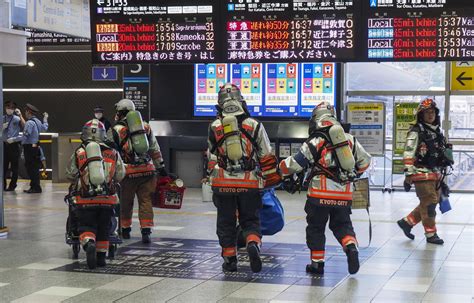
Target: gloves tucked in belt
{"x": 269, "y": 168}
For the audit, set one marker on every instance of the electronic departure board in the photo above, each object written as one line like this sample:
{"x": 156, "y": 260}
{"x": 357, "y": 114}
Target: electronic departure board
{"x": 432, "y": 30}
{"x": 290, "y": 30}
{"x": 158, "y": 31}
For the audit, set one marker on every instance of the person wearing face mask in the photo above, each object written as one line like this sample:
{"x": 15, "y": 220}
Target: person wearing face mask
{"x": 30, "y": 140}
{"x": 425, "y": 159}
{"x": 99, "y": 115}
{"x": 11, "y": 145}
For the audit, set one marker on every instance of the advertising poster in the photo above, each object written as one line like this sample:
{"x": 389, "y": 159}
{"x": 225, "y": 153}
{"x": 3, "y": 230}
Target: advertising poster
{"x": 209, "y": 79}
{"x": 367, "y": 121}
{"x": 405, "y": 115}
{"x": 318, "y": 85}
{"x": 249, "y": 78}
{"x": 281, "y": 89}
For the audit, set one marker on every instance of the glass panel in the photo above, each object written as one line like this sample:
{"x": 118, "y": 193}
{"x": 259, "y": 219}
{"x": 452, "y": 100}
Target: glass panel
{"x": 461, "y": 114}
{"x": 396, "y": 76}
{"x": 462, "y": 177}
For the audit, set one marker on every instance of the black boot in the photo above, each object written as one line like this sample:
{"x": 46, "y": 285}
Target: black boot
{"x": 146, "y": 232}
{"x": 126, "y": 232}
{"x": 352, "y": 258}
{"x": 101, "y": 259}
{"x": 435, "y": 239}
{"x": 315, "y": 268}
{"x": 230, "y": 264}
{"x": 254, "y": 256}
{"x": 89, "y": 248}
{"x": 406, "y": 228}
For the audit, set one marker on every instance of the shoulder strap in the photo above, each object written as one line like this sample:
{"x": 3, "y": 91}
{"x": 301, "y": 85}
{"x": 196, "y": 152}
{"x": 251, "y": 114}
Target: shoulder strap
{"x": 252, "y": 140}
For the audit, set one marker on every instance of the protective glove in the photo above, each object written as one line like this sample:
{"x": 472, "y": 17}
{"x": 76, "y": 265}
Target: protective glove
{"x": 407, "y": 183}
{"x": 291, "y": 185}
{"x": 162, "y": 172}
{"x": 45, "y": 117}
{"x": 10, "y": 140}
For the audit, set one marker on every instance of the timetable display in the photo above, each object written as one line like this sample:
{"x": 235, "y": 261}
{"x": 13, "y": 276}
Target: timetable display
{"x": 159, "y": 31}
{"x": 420, "y": 30}
{"x": 290, "y": 30}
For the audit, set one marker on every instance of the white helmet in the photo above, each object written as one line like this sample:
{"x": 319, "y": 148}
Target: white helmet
{"x": 230, "y": 100}
{"x": 321, "y": 110}
{"x": 124, "y": 105}
{"x": 323, "y": 116}
{"x": 93, "y": 130}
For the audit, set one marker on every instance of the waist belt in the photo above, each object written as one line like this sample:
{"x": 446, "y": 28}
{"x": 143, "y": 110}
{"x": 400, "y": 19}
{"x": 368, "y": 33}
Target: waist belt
{"x": 98, "y": 200}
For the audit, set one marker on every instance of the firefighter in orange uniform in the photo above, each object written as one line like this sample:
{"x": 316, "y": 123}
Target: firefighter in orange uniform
{"x": 241, "y": 165}
{"x": 424, "y": 160}
{"x": 94, "y": 171}
{"x": 335, "y": 159}
{"x": 142, "y": 156}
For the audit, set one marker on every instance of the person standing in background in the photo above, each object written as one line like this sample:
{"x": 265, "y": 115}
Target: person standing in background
{"x": 30, "y": 140}
{"x": 99, "y": 115}
{"x": 11, "y": 131}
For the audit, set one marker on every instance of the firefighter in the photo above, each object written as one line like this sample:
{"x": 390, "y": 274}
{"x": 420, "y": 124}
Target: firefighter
{"x": 426, "y": 157}
{"x": 94, "y": 171}
{"x": 241, "y": 165}
{"x": 142, "y": 156}
{"x": 334, "y": 158}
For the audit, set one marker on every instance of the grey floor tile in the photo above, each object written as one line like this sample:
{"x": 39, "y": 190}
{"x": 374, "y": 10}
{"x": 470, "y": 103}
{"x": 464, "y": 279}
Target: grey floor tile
{"x": 210, "y": 290}
{"x": 98, "y": 295}
{"x": 162, "y": 291}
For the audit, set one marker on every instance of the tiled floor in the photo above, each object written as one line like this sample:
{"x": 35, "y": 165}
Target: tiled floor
{"x": 399, "y": 270}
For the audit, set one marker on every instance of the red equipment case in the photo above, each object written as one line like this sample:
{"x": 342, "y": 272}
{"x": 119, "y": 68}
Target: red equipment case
{"x": 168, "y": 195}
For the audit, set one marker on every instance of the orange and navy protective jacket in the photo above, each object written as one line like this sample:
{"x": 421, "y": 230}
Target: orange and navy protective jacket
{"x": 136, "y": 166}
{"x": 417, "y": 149}
{"x": 260, "y": 164}
{"x": 322, "y": 190}
{"x": 78, "y": 173}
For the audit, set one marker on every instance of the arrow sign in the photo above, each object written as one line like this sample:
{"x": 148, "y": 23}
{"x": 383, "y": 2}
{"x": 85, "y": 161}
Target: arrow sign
{"x": 169, "y": 244}
{"x": 104, "y": 74}
{"x": 107, "y": 73}
{"x": 461, "y": 78}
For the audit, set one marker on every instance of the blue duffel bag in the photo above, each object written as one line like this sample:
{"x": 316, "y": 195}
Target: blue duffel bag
{"x": 272, "y": 215}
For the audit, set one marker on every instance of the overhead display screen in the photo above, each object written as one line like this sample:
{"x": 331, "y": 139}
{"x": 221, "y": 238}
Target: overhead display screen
{"x": 421, "y": 30}
{"x": 290, "y": 30}
{"x": 249, "y": 78}
{"x": 208, "y": 79}
{"x": 159, "y": 31}
{"x": 270, "y": 90}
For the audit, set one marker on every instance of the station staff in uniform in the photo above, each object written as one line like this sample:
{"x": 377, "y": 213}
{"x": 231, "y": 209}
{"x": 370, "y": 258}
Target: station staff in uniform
{"x": 30, "y": 141}
{"x": 99, "y": 115}
{"x": 11, "y": 145}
